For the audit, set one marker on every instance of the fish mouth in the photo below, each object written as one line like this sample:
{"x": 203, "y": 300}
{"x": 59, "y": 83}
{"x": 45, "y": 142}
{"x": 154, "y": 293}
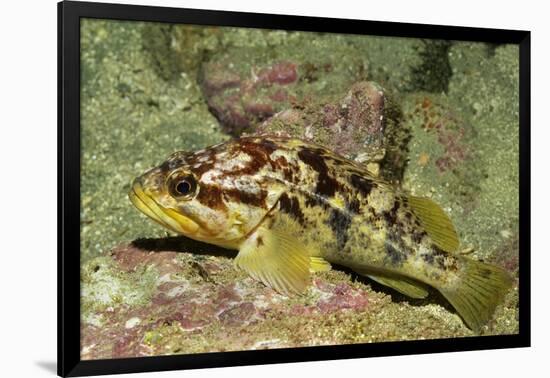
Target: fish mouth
{"x": 165, "y": 217}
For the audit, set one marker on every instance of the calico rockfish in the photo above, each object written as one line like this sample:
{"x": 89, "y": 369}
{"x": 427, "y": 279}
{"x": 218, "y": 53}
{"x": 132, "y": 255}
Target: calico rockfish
{"x": 291, "y": 208}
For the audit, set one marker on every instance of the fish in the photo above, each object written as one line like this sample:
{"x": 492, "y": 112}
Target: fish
{"x": 293, "y": 208}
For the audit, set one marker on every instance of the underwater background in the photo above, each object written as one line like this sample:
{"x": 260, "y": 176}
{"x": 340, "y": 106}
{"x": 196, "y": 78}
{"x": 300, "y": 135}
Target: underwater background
{"x": 451, "y": 133}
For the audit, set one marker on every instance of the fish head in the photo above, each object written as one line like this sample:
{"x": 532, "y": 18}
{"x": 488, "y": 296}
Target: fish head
{"x": 218, "y": 195}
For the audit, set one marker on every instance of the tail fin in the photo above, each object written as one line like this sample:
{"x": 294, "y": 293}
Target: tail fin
{"x": 477, "y": 292}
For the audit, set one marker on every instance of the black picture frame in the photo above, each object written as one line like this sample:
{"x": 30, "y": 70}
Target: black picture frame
{"x": 69, "y": 15}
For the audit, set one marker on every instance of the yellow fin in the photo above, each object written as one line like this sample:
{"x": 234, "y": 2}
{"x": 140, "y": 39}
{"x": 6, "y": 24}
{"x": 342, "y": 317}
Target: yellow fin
{"x": 276, "y": 259}
{"x": 403, "y": 285}
{"x": 477, "y": 292}
{"x": 319, "y": 264}
{"x": 436, "y": 223}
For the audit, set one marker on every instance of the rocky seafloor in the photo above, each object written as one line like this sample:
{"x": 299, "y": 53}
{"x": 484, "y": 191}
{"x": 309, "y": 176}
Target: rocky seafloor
{"x": 438, "y": 118}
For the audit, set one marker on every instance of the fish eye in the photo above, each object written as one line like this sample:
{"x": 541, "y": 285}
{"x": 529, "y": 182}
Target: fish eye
{"x": 182, "y": 185}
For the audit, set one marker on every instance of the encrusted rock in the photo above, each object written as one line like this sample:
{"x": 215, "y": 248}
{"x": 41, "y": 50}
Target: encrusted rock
{"x": 352, "y": 126}
{"x": 178, "y": 306}
{"x": 239, "y": 102}
{"x": 245, "y": 86}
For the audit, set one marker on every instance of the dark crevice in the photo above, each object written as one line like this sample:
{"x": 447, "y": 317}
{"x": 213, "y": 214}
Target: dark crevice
{"x": 434, "y": 72}
{"x": 182, "y": 244}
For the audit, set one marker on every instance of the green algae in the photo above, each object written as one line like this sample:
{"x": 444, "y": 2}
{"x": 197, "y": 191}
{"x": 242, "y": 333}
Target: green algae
{"x": 131, "y": 119}
{"x": 481, "y": 192}
{"x": 489, "y": 95}
{"x": 104, "y": 285}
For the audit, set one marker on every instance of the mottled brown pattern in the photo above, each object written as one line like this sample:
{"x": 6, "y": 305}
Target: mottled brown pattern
{"x": 326, "y": 184}
{"x": 198, "y": 167}
{"x": 353, "y": 206}
{"x": 291, "y": 173}
{"x": 252, "y": 199}
{"x": 443, "y": 260}
{"x": 340, "y": 222}
{"x": 361, "y": 184}
{"x": 291, "y": 206}
{"x": 211, "y": 196}
{"x": 396, "y": 251}
{"x": 259, "y": 154}
{"x": 391, "y": 215}
{"x": 281, "y": 162}
{"x": 417, "y": 235}
{"x": 288, "y": 174}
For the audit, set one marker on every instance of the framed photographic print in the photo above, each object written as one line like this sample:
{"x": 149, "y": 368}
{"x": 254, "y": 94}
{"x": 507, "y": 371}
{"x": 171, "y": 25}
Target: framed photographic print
{"x": 241, "y": 188}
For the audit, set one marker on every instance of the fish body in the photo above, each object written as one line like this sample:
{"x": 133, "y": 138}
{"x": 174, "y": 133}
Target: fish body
{"x": 292, "y": 208}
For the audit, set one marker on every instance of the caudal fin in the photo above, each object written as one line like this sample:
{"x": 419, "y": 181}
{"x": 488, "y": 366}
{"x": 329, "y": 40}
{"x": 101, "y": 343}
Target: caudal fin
{"x": 477, "y": 292}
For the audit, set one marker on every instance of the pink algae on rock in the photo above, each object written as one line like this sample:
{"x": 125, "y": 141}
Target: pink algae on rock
{"x": 130, "y": 257}
{"x": 343, "y": 297}
{"x": 200, "y": 303}
{"x": 185, "y": 308}
{"x": 352, "y": 125}
{"x": 280, "y": 73}
{"x": 241, "y": 100}
{"x": 450, "y": 132}
{"x": 455, "y": 148}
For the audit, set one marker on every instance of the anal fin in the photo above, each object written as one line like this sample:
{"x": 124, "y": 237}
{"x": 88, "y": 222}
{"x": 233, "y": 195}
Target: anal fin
{"x": 403, "y": 285}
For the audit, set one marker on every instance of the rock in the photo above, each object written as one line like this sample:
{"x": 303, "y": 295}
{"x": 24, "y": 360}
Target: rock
{"x": 464, "y": 149}
{"x": 141, "y": 102}
{"x": 318, "y": 100}
{"x": 352, "y": 126}
{"x": 240, "y": 102}
{"x": 145, "y": 300}
{"x": 244, "y": 86}
{"x": 445, "y": 135}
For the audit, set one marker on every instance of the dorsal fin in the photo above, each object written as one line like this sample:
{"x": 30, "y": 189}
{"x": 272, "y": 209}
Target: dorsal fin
{"x": 436, "y": 223}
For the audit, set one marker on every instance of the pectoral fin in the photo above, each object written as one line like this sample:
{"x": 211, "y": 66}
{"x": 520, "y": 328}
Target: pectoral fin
{"x": 436, "y": 223}
{"x": 276, "y": 259}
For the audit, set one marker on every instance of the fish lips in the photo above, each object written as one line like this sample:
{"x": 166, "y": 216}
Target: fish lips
{"x": 165, "y": 217}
